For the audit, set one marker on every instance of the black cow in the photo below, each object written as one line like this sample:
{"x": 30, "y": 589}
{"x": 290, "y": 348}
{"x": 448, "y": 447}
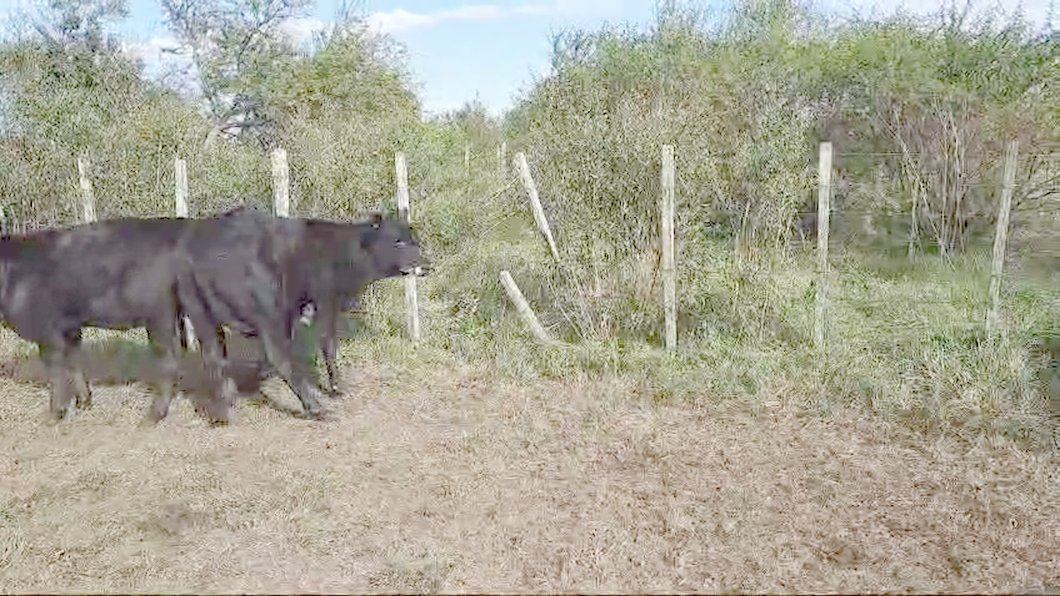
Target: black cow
{"x": 326, "y": 264}
{"x": 236, "y": 273}
{"x": 349, "y": 258}
{"x": 116, "y": 274}
{"x": 126, "y": 273}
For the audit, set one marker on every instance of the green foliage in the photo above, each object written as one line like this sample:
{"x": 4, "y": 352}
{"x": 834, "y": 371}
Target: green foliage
{"x": 743, "y": 102}
{"x": 730, "y": 107}
{"x": 72, "y": 94}
{"x": 342, "y": 108}
{"x": 237, "y": 48}
{"x": 943, "y": 98}
{"x": 343, "y": 112}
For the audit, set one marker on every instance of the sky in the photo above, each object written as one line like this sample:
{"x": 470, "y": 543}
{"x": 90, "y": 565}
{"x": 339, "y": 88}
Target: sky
{"x": 491, "y": 49}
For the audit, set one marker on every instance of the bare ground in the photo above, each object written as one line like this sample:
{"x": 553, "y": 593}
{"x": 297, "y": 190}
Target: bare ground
{"x": 461, "y": 482}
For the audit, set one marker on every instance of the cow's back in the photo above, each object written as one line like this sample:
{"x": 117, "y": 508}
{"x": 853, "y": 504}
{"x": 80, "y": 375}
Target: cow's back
{"x": 116, "y": 273}
{"x": 232, "y": 265}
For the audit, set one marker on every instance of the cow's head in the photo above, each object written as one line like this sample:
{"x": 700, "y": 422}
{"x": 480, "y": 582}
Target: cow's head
{"x": 394, "y": 246}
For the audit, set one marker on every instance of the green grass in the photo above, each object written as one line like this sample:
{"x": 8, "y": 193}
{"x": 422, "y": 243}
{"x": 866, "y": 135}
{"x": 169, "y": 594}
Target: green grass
{"x": 905, "y": 339}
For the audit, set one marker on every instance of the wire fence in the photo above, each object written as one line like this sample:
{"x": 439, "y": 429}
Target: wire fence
{"x": 867, "y": 213}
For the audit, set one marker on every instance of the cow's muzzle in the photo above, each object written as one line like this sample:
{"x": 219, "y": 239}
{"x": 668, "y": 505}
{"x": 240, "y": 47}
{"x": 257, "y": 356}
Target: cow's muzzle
{"x": 423, "y": 268}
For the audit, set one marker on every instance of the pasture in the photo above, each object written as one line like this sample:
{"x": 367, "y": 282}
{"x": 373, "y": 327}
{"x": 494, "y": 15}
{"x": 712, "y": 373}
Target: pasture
{"x": 798, "y": 284}
{"x": 437, "y": 476}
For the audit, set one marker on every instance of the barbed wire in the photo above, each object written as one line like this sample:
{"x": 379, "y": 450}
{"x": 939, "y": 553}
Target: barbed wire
{"x": 841, "y": 211}
{"x": 901, "y": 154}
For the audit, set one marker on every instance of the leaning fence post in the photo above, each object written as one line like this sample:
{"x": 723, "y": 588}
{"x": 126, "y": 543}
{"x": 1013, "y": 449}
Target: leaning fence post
{"x": 824, "y": 209}
{"x": 467, "y": 160}
{"x": 502, "y": 156}
{"x": 181, "y": 208}
{"x": 88, "y": 202}
{"x": 997, "y": 265}
{"x": 668, "y": 268}
{"x": 535, "y": 202}
{"x": 281, "y": 192}
{"x": 523, "y": 307}
{"x": 411, "y": 294}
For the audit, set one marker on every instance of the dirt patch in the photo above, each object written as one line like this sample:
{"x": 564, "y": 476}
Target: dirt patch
{"x": 460, "y": 482}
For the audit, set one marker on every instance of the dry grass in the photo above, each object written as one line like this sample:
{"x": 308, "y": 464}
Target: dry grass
{"x": 459, "y": 481}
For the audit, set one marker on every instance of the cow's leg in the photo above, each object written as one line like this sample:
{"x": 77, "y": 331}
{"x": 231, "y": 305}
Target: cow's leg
{"x": 77, "y": 357}
{"x": 292, "y": 370}
{"x": 212, "y": 349}
{"x": 166, "y": 345}
{"x": 222, "y": 342}
{"x": 224, "y": 398}
{"x": 329, "y": 345}
{"x": 182, "y": 334}
{"x": 330, "y": 348}
{"x": 274, "y": 323}
{"x": 315, "y": 317}
{"x": 223, "y": 392}
{"x": 84, "y": 392}
{"x": 54, "y": 354}
{"x": 222, "y": 385}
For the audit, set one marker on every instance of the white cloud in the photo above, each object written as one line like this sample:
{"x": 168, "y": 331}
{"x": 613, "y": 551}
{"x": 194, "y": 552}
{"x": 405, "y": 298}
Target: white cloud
{"x": 152, "y": 50}
{"x": 302, "y": 29}
{"x": 401, "y": 20}
{"x": 166, "y": 47}
{"x": 572, "y": 8}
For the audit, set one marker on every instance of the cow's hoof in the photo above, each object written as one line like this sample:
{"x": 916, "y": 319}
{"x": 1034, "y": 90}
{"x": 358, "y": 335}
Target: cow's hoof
{"x": 150, "y": 421}
{"x": 334, "y": 393}
{"x": 218, "y": 422}
{"x": 85, "y": 404}
{"x": 56, "y": 416}
{"x": 309, "y": 415}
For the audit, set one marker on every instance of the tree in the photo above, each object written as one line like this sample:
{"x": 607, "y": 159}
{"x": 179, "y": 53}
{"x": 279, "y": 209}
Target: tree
{"x": 236, "y": 48}
{"x": 69, "y": 92}
{"x": 67, "y": 78}
{"x": 943, "y": 97}
{"x": 475, "y": 123}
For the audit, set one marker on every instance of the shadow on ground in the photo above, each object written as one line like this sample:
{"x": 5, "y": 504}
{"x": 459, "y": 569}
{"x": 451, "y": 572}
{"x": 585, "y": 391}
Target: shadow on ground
{"x": 120, "y": 361}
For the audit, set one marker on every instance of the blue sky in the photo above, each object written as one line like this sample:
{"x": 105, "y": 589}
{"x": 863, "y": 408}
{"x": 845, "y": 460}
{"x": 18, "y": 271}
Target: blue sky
{"x": 491, "y": 48}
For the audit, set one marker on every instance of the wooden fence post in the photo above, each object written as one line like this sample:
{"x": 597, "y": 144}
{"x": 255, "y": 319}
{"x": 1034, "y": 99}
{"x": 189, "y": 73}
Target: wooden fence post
{"x": 281, "y": 192}
{"x": 824, "y": 209}
{"x": 411, "y": 294}
{"x": 523, "y": 307}
{"x": 467, "y": 160}
{"x": 88, "y": 202}
{"x": 181, "y": 209}
{"x": 993, "y": 316}
{"x": 502, "y": 156}
{"x": 668, "y": 269}
{"x": 181, "y": 198}
{"x": 535, "y": 202}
